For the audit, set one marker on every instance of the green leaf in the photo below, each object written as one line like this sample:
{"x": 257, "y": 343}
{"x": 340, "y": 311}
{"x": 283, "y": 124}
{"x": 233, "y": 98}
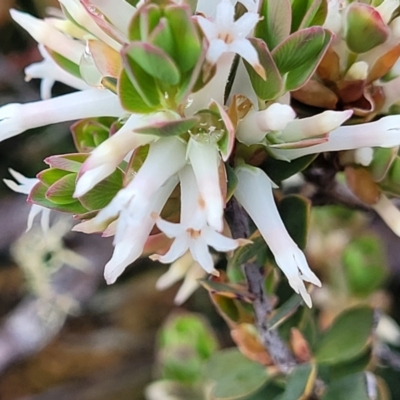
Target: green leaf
{"x": 391, "y": 182}
{"x": 299, "y": 381}
{"x": 184, "y": 343}
{"x": 169, "y": 128}
{"x": 144, "y": 83}
{"x": 90, "y": 133}
{"x": 67, "y": 162}
{"x": 358, "y": 364}
{"x": 316, "y": 14}
{"x": 102, "y": 194}
{"x": 365, "y": 265}
{"x": 156, "y": 62}
{"x": 342, "y": 343}
{"x": 383, "y": 158}
{"x": 299, "y": 10}
{"x": 64, "y": 63}
{"x": 365, "y": 28}
{"x": 272, "y": 87}
{"x": 234, "y": 376}
{"x": 279, "y": 170}
{"x": 38, "y": 196}
{"x": 352, "y": 387}
{"x": 267, "y": 392}
{"x": 275, "y": 22}
{"x": 285, "y": 311}
{"x": 130, "y": 98}
{"x": 295, "y": 213}
{"x": 299, "y": 55}
{"x": 186, "y": 39}
{"x": 232, "y": 181}
{"x": 61, "y": 192}
{"x": 256, "y": 252}
{"x": 51, "y": 175}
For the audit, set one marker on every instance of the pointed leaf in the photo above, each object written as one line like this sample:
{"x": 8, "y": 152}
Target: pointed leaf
{"x": 61, "y": 192}
{"x": 275, "y": 22}
{"x": 65, "y": 64}
{"x": 38, "y": 196}
{"x": 90, "y": 133}
{"x": 272, "y": 87}
{"x": 101, "y": 195}
{"x": 316, "y": 14}
{"x": 51, "y": 175}
{"x": 67, "y": 162}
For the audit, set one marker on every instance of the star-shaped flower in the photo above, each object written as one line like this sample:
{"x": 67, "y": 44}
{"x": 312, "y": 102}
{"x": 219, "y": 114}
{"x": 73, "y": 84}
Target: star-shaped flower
{"x": 225, "y": 35}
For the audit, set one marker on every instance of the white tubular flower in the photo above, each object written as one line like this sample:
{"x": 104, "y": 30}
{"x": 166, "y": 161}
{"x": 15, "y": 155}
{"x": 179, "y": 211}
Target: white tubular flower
{"x": 49, "y": 72}
{"x": 205, "y": 161}
{"x": 81, "y": 16}
{"x": 316, "y": 125}
{"x": 183, "y": 268}
{"x": 226, "y": 35}
{"x": 16, "y": 118}
{"x": 254, "y": 193}
{"x": 193, "y": 233}
{"x": 256, "y": 124}
{"x": 25, "y": 185}
{"x": 118, "y": 12}
{"x": 382, "y": 133}
{"x": 165, "y": 158}
{"x": 49, "y": 36}
{"x": 106, "y": 157}
{"x": 133, "y": 229}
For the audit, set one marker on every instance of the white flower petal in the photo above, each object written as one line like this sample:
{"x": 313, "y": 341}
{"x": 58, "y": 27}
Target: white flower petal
{"x": 215, "y": 50}
{"x": 201, "y": 254}
{"x": 16, "y": 118}
{"x": 205, "y": 160}
{"x": 178, "y": 248}
{"x": 190, "y": 283}
{"x": 225, "y": 14}
{"x": 219, "y": 242}
{"x": 261, "y": 207}
{"x": 382, "y": 133}
{"x": 50, "y": 37}
{"x": 175, "y": 272}
{"x": 245, "y": 24}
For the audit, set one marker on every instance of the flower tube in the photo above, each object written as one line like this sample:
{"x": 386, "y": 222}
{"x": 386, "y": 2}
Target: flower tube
{"x": 16, "y": 118}
{"x": 254, "y": 193}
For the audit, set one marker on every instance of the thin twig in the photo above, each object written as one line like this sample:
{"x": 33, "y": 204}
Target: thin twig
{"x": 275, "y": 346}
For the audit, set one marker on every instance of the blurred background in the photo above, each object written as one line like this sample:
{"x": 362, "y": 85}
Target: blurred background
{"x": 64, "y": 334}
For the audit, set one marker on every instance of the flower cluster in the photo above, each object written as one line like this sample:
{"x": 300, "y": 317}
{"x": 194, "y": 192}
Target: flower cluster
{"x": 173, "y": 104}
